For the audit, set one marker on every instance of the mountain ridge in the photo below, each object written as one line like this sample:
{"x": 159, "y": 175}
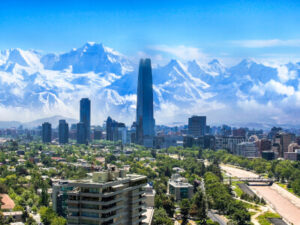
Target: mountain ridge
{"x": 50, "y": 84}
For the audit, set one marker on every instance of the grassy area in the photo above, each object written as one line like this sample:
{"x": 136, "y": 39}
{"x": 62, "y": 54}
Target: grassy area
{"x": 252, "y": 213}
{"x": 250, "y": 206}
{"x": 286, "y": 188}
{"x": 237, "y": 189}
{"x": 263, "y": 219}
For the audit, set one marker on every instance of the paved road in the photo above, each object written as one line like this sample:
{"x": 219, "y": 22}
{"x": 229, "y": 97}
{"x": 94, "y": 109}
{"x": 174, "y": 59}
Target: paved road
{"x": 283, "y": 202}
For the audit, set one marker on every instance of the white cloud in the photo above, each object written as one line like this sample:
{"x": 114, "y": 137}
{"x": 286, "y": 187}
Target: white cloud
{"x": 279, "y": 88}
{"x": 267, "y": 43}
{"x": 181, "y": 51}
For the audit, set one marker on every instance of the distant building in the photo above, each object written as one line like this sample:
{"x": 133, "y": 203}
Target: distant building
{"x": 197, "y": 126}
{"x": 109, "y": 197}
{"x": 247, "y": 149}
{"x": 294, "y": 156}
{"x": 46, "y": 132}
{"x": 206, "y": 142}
{"x": 273, "y": 132}
{"x": 63, "y": 132}
{"x": 293, "y": 147}
{"x": 228, "y": 143}
{"x": 240, "y": 132}
{"x": 180, "y": 188}
{"x": 85, "y": 117}
{"x": 268, "y": 155}
{"x": 282, "y": 141}
{"x": 225, "y": 130}
{"x": 144, "y": 112}
{"x": 81, "y": 133}
{"x": 264, "y": 145}
{"x": 116, "y": 131}
{"x": 97, "y": 134}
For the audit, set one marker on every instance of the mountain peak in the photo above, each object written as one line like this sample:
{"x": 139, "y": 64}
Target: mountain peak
{"x": 175, "y": 63}
{"x": 214, "y": 61}
{"x": 248, "y": 62}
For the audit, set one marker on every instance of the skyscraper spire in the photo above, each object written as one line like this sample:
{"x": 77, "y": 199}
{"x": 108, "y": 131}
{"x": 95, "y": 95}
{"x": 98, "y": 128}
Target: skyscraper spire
{"x": 144, "y": 113}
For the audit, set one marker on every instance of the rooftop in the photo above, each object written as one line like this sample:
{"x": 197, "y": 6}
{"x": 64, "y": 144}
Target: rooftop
{"x": 7, "y": 202}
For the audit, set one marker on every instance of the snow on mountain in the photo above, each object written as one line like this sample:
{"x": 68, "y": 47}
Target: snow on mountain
{"x": 51, "y": 84}
{"x": 90, "y": 57}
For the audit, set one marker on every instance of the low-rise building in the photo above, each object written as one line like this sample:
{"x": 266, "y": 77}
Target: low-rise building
{"x": 179, "y": 187}
{"x": 7, "y": 203}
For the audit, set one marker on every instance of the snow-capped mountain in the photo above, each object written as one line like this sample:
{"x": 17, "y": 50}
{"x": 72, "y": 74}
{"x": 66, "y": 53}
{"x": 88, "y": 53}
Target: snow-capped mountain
{"x": 35, "y": 85}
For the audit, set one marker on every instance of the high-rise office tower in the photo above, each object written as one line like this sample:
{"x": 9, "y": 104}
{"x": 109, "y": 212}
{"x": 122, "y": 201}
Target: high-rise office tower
{"x": 81, "y": 133}
{"x": 85, "y": 116}
{"x": 109, "y": 125}
{"x": 144, "y": 113}
{"x": 63, "y": 132}
{"x": 197, "y": 126}
{"x": 46, "y": 132}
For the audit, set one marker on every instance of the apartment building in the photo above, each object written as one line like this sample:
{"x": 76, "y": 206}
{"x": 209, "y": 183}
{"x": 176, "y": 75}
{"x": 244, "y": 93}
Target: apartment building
{"x": 109, "y": 197}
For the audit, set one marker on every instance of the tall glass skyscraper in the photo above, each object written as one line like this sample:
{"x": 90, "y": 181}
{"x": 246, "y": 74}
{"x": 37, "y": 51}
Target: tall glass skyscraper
{"x": 46, "y": 132}
{"x": 144, "y": 113}
{"x": 63, "y": 132}
{"x": 85, "y": 116}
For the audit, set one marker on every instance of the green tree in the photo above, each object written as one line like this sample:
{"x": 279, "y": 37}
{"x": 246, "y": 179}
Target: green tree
{"x": 59, "y": 221}
{"x": 199, "y": 203}
{"x": 2, "y": 220}
{"x": 47, "y": 215}
{"x": 44, "y": 200}
{"x": 160, "y": 217}
{"x": 184, "y": 209}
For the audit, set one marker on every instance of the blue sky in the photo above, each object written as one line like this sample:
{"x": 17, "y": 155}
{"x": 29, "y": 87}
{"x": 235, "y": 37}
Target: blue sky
{"x": 203, "y": 29}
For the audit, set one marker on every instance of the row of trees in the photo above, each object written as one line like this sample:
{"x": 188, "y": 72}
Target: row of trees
{"x": 285, "y": 171}
{"x": 221, "y": 199}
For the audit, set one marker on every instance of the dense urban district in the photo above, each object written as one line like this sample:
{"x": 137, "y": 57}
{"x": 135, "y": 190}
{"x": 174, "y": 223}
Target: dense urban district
{"x": 57, "y": 184}
{"x": 148, "y": 174}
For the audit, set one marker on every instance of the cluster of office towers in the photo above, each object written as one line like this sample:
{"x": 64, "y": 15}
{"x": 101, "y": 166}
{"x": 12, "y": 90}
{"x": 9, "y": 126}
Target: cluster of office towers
{"x": 144, "y": 124}
{"x": 83, "y": 127}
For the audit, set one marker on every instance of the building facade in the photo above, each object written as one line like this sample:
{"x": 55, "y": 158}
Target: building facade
{"x": 46, "y": 132}
{"x": 116, "y": 131}
{"x": 63, "y": 132}
{"x": 197, "y": 126}
{"x": 247, "y": 149}
{"x": 81, "y": 133}
{"x": 85, "y": 117}
{"x": 109, "y": 197}
{"x": 144, "y": 113}
{"x": 227, "y": 142}
{"x": 180, "y": 188}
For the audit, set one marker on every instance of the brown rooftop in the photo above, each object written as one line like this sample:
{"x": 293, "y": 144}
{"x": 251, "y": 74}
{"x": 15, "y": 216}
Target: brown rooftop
{"x": 7, "y": 202}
